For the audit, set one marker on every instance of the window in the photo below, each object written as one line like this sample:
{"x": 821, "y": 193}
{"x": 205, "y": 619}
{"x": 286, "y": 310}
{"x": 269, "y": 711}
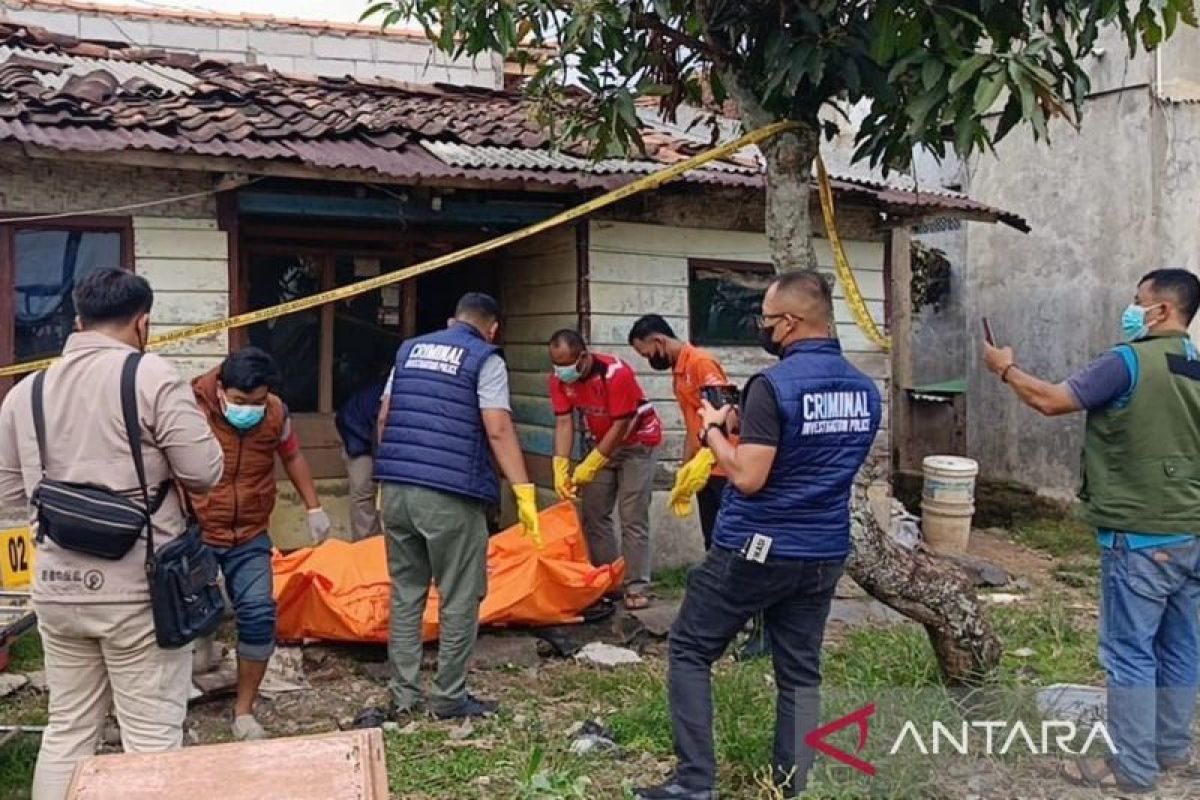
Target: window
{"x": 41, "y": 264}
{"x": 724, "y": 298}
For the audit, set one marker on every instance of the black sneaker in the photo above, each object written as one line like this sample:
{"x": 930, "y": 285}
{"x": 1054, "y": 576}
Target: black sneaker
{"x": 375, "y": 716}
{"x": 673, "y": 791}
{"x": 470, "y": 706}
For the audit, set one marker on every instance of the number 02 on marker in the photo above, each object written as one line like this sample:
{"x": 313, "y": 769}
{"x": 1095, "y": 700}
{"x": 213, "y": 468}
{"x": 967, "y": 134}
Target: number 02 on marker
{"x": 16, "y": 558}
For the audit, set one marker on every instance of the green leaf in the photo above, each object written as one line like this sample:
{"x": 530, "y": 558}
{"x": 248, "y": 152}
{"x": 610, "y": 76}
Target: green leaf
{"x": 966, "y": 71}
{"x": 932, "y": 72}
{"x": 373, "y": 10}
{"x": 883, "y": 37}
{"x": 987, "y": 91}
{"x": 919, "y": 107}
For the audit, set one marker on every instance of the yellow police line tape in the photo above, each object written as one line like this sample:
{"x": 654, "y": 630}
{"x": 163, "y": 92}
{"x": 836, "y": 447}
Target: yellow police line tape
{"x": 845, "y": 273}
{"x": 652, "y": 181}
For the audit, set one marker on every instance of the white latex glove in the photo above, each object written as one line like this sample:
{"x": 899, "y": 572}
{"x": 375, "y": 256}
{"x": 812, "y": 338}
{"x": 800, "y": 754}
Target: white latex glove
{"x": 319, "y": 525}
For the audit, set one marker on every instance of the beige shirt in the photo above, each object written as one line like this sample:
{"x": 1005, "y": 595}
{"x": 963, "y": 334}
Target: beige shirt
{"x": 86, "y": 443}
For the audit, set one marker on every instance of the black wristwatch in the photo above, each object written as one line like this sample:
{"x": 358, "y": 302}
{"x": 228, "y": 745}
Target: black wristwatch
{"x": 704, "y": 433}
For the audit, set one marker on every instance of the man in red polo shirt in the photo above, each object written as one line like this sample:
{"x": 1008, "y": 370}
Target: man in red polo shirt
{"x": 619, "y": 470}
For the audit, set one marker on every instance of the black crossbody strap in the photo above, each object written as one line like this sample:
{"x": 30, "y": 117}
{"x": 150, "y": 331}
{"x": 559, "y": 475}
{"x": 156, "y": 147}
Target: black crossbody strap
{"x": 133, "y": 431}
{"x": 39, "y": 417}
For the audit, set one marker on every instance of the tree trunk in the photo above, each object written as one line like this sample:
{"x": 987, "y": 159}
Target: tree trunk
{"x": 789, "y": 159}
{"x": 924, "y": 588}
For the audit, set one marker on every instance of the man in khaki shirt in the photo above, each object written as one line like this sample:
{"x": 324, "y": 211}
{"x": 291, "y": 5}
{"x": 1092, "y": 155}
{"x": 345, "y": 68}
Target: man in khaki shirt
{"x": 94, "y": 615}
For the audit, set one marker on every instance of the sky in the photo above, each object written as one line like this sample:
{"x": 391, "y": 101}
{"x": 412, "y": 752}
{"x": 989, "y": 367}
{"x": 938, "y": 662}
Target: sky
{"x": 331, "y": 10}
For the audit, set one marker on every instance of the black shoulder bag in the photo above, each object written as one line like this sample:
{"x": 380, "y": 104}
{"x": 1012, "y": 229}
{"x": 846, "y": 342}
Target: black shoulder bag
{"x": 84, "y": 517}
{"x": 184, "y": 594}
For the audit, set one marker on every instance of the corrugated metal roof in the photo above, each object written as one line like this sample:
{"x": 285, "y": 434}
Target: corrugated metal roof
{"x": 66, "y": 94}
{"x": 512, "y": 158}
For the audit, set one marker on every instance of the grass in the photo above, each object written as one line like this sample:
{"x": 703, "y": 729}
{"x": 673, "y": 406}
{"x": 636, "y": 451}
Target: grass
{"x": 18, "y": 756}
{"x": 1061, "y": 537}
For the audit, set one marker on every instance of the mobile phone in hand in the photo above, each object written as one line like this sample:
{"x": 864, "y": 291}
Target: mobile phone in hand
{"x": 719, "y": 396}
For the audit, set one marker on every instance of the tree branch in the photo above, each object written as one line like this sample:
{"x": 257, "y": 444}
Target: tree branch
{"x": 652, "y": 22}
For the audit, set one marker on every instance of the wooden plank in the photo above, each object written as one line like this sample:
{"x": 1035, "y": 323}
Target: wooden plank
{"x": 535, "y": 328}
{"x": 193, "y": 366}
{"x": 531, "y": 383}
{"x": 214, "y": 344}
{"x": 185, "y": 275}
{"x": 348, "y": 765}
{"x": 175, "y": 223}
{"x": 646, "y": 269}
{"x": 554, "y": 298}
{"x": 660, "y": 240}
{"x": 180, "y": 243}
{"x": 188, "y": 308}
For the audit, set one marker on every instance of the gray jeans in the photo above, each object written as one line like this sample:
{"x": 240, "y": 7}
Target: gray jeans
{"x": 627, "y": 484}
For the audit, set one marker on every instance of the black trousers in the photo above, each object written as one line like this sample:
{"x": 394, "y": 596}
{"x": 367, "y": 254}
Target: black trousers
{"x": 723, "y": 592}
{"x": 709, "y": 501}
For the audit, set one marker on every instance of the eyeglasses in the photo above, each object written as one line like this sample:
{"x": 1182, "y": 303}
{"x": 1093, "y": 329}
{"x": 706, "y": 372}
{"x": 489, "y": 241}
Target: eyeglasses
{"x": 762, "y": 319}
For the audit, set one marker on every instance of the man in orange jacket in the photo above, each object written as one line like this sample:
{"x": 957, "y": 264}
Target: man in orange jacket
{"x": 253, "y": 427}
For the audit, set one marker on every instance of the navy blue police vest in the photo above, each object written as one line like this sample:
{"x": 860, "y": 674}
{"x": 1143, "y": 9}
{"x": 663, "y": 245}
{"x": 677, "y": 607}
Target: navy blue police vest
{"x": 434, "y": 434}
{"x": 829, "y": 413}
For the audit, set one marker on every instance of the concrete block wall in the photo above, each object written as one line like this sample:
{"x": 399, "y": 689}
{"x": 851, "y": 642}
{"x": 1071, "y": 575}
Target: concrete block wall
{"x": 300, "y": 48}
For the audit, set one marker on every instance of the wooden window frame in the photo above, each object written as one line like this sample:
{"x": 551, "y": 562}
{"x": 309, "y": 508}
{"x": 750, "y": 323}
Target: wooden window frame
{"x": 328, "y": 257}
{"x": 122, "y": 225}
{"x": 698, "y": 264}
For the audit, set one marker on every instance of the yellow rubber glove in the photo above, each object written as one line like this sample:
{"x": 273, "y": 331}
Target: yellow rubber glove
{"x": 563, "y": 486}
{"x": 527, "y": 513}
{"x": 587, "y": 470}
{"x": 690, "y": 479}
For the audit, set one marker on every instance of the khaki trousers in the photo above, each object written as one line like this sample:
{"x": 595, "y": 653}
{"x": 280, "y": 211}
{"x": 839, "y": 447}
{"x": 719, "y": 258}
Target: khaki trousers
{"x": 364, "y": 517}
{"x": 102, "y": 655}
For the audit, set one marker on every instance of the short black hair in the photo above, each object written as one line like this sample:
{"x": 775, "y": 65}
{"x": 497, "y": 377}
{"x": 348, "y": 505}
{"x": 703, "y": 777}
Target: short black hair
{"x": 569, "y": 338}
{"x": 478, "y": 306}
{"x": 1180, "y": 284}
{"x": 648, "y": 326}
{"x": 810, "y": 282}
{"x": 249, "y": 369}
{"x": 111, "y": 295}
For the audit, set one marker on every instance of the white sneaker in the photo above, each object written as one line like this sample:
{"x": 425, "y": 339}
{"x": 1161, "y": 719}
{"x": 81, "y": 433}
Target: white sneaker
{"x": 247, "y": 729}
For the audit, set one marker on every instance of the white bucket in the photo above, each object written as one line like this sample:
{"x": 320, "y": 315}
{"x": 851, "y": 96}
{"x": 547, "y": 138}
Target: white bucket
{"x": 948, "y": 502}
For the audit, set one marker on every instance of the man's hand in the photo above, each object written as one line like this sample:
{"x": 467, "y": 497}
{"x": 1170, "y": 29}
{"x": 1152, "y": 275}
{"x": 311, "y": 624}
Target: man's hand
{"x": 713, "y": 416}
{"x": 564, "y": 487}
{"x": 997, "y": 359}
{"x": 319, "y": 525}
{"x": 527, "y": 513}
{"x": 589, "y": 468}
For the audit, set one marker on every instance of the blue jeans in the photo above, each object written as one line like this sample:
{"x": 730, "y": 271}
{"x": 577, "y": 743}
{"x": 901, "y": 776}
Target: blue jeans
{"x": 247, "y": 571}
{"x": 1148, "y": 647}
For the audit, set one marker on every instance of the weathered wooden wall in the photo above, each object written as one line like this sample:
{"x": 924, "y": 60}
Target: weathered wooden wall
{"x": 538, "y": 295}
{"x": 637, "y": 269}
{"x": 187, "y": 264}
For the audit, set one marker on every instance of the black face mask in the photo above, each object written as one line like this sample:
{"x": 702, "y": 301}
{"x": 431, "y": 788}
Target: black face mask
{"x": 765, "y": 338}
{"x": 660, "y": 362}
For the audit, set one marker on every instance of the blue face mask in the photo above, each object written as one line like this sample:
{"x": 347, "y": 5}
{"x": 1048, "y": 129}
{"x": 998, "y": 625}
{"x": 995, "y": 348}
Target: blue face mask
{"x": 244, "y": 417}
{"x": 1133, "y": 323}
{"x": 567, "y": 374}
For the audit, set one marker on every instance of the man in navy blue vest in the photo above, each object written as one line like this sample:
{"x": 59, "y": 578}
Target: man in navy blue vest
{"x": 446, "y": 425}
{"x": 782, "y": 535}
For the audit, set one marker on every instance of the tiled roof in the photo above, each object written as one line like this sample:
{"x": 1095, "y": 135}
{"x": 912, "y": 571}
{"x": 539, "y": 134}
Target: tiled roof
{"x": 66, "y": 94}
{"x": 205, "y": 17}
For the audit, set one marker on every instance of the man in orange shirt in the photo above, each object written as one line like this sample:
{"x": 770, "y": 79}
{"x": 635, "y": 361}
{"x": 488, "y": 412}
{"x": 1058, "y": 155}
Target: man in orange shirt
{"x": 691, "y": 369}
